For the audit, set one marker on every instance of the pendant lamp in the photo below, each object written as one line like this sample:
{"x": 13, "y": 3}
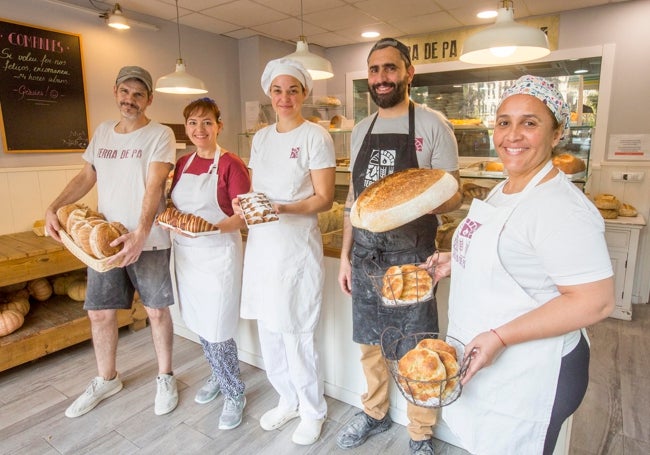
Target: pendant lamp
{"x": 180, "y": 82}
{"x": 505, "y": 42}
{"x": 318, "y": 67}
{"x": 116, "y": 18}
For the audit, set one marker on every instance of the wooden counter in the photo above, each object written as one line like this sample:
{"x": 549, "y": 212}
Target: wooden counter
{"x": 58, "y": 322}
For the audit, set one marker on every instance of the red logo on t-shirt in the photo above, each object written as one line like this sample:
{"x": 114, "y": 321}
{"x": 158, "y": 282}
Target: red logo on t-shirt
{"x": 418, "y": 144}
{"x": 294, "y": 152}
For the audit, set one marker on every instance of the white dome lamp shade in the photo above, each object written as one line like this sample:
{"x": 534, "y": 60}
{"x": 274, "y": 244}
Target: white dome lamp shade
{"x": 505, "y": 41}
{"x": 319, "y": 68}
{"x": 116, "y": 19}
{"x": 180, "y": 82}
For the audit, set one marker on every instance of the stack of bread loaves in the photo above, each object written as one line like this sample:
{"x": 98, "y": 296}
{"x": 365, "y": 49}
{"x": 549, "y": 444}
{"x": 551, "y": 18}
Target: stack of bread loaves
{"x": 569, "y": 164}
{"x": 430, "y": 371}
{"x": 610, "y": 207}
{"x": 90, "y": 230}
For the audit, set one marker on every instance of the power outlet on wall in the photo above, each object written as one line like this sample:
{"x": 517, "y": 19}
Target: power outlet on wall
{"x": 628, "y": 176}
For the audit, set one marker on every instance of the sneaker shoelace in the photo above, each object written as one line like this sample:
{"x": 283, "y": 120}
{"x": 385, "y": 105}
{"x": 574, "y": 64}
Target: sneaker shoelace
{"x": 231, "y": 405}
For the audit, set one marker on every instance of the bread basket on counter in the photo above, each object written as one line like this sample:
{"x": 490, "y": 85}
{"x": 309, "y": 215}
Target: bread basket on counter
{"x": 406, "y": 355}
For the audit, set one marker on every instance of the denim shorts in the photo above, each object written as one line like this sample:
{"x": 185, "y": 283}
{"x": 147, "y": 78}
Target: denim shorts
{"x": 114, "y": 289}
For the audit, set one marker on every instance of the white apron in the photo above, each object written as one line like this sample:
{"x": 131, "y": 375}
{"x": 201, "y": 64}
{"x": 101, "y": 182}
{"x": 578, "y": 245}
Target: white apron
{"x": 284, "y": 270}
{"x": 506, "y": 407}
{"x": 207, "y": 269}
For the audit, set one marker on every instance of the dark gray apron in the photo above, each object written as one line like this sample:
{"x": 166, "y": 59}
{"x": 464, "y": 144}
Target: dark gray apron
{"x": 381, "y": 155}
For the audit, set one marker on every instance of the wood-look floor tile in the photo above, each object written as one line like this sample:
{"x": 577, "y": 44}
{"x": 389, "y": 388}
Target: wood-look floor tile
{"x": 112, "y": 443}
{"x": 28, "y": 405}
{"x": 635, "y": 401}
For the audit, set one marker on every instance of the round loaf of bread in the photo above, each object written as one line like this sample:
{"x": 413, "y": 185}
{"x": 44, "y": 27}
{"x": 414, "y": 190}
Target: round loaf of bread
{"x": 607, "y": 202}
{"x": 64, "y": 212}
{"x": 609, "y": 214}
{"x": 82, "y": 230}
{"x": 627, "y": 210}
{"x": 435, "y": 344}
{"x": 568, "y": 163}
{"x": 401, "y": 197}
{"x": 101, "y": 237}
{"x": 421, "y": 374}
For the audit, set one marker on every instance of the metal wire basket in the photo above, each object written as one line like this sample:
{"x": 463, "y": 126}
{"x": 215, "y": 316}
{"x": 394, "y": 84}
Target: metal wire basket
{"x": 424, "y": 393}
{"x": 400, "y": 285}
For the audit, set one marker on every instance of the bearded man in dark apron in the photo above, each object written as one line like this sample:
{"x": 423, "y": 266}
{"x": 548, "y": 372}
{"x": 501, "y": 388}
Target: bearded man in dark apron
{"x": 400, "y": 136}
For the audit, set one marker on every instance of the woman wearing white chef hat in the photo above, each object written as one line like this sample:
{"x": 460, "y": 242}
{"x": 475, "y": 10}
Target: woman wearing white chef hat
{"x": 293, "y": 163}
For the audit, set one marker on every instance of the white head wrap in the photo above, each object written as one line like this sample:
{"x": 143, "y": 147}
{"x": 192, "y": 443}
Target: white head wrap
{"x": 545, "y": 91}
{"x": 285, "y": 67}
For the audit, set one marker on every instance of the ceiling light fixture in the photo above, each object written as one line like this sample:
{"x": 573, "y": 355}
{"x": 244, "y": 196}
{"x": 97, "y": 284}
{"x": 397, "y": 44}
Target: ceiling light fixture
{"x": 505, "y": 41}
{"x": 487, "y": 14}
{"x": 318, "y": 67}
{"x": 370, "y": 34}
{"x": 98, "y": 12}
{"x": 180, "y": 82}
{"x": 116, "y": 18}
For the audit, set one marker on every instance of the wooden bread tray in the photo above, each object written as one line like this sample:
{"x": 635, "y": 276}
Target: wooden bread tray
{"x": 99, "y": 265}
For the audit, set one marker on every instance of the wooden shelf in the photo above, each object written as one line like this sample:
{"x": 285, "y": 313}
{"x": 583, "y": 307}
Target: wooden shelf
{"x": 58, "y": 322}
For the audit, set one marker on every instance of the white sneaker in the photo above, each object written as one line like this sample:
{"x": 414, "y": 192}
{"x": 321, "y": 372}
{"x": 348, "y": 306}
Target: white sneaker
{"x": 166, "y": 394}
{"x": 308, "y": 431}
{"x": 208, "y": 392}
{"x": 276, "y": 417}
{"x": 233, "y": 411}
{"x": 98, "y": 389}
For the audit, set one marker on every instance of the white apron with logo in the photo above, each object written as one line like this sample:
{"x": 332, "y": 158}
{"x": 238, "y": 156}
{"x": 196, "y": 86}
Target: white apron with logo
{"x": 207, "y": 269}
{"x": 284, "y": 269}
{"x": 506, "y": 407}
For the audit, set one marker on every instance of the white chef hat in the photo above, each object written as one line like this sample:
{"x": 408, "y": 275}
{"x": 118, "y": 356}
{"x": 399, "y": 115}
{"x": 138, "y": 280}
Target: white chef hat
{"x": 288, "y": 67}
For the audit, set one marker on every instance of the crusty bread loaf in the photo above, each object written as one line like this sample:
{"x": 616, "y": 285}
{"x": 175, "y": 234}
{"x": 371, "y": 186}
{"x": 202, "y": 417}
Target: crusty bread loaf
{"x": 64, "y": 212}
{"x": 609, "y": 214}
{"x": 494, "y": 166}
{"x": 607, "y": 202}
{"x": 568, "y": 163}
{"x": 81, "y": 234}
{"x": 101, "y": 236}
{"x": 627, "y": 210}
{"x": 423, "y": 371}
{"x": 185, "y": 221}
{"x": 438, "y": 345}
{"x": 420, "y": 370}
{"x": 401, "y": 197}
{"x": 406, "y": 284}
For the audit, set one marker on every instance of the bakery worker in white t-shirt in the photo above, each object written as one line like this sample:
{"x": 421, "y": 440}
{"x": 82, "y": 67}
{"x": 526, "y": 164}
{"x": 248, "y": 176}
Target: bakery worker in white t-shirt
{"x": 129, "y": 160}
{"x": 401, "y": 135}
{"x": 293, "y": 163}
{"x": 529, "y": 270}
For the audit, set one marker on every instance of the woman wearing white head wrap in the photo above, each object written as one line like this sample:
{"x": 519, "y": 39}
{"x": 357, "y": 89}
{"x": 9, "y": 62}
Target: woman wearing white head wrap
{"x": 293, "y": 163}
{"x": 529, "y": 270}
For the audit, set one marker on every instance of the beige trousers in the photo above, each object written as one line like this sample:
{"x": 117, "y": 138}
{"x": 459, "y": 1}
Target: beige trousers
{"x": 376, "y": 400}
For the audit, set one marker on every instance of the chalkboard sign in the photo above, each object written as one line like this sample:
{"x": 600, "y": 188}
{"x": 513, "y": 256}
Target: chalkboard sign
{"x": 42, "y": 95}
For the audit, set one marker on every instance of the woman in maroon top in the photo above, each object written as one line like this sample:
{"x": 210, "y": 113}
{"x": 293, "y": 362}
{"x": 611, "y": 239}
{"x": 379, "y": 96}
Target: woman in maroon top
{"x": 207, "y": 268}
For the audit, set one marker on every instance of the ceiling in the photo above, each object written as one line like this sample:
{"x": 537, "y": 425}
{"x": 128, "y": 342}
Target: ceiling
{"x": 329, "y": 23}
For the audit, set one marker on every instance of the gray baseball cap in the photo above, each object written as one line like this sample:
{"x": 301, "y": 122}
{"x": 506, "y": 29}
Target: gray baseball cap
{"x": 131, "y": 72}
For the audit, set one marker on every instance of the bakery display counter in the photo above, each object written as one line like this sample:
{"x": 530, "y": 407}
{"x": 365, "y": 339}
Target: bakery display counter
{"x": 58, "y": 322}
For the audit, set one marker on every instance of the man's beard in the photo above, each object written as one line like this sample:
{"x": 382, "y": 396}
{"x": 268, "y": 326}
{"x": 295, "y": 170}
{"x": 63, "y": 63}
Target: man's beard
{"x": 391, "y": 99}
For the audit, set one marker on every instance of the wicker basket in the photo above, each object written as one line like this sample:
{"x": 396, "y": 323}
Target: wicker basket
{"x": 394, "y": 345}
{"x": 99, "y": 265}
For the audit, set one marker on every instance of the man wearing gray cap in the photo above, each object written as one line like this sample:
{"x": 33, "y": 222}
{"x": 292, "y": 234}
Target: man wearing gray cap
{"x": 129, "y": 160}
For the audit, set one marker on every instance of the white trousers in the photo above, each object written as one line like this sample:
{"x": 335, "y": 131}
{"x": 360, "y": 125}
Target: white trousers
{"x": 291, "y": 363}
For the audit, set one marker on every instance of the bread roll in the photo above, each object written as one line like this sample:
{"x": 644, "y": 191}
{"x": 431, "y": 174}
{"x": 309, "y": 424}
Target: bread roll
{"x": 401, "y": 197}
{"x": 609, "y": 214}
{"x": 64, "y": 212}
{"x": 607, "y": 202}
{"x": 101, "y": 236}
{"x": 438, "y": 345}
{"x": 82, "y": 230}
{"x": 421, "y": 372}
{"x": 406, "y": 284}
{"x": 494, "y": 166}
{"x": 627, "y": 210}
{"x": 452, "y": 368}
{"x": 569, "y": 164}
